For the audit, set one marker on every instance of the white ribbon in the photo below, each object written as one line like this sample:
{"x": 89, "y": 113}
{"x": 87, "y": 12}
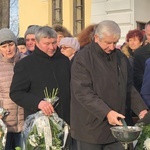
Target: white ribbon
{"x": 43, "y": 127}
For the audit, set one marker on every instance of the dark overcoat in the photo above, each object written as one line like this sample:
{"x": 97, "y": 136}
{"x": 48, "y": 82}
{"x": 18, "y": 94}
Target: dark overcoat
{"x": 36, "y": 72}
{"x": 145, "y": 89}
{"x": 100, "y": 83}
{"x": 140, "y": 56}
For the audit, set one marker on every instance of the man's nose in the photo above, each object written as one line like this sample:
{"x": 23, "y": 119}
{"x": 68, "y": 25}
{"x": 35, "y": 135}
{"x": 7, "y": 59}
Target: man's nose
{"x": 8, "y": 48}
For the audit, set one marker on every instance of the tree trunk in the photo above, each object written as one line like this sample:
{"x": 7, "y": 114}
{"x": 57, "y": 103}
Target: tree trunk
{"x": 4, "y": 13}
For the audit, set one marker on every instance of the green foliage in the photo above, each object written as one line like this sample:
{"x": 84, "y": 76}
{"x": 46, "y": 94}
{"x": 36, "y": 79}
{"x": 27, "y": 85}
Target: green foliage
{"x": 36, "y": 141}
{"x": 55, "y": 139}
{"x": 18, "y": 148}
{"x": 145, "y": 134}
{"x": 40, "y": 141}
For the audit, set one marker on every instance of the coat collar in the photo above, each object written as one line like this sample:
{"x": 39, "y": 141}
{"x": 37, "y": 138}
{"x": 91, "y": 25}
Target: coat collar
{"x": 100, "y": 51}
{"x": 37, "y": 51}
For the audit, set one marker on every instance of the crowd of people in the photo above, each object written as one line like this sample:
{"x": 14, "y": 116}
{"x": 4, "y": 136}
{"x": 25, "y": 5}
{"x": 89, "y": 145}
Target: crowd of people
{"x": 97, "y": 83}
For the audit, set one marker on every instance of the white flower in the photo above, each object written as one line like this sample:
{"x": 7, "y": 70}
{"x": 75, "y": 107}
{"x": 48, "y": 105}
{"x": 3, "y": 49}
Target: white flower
{"x": 1, "y": 111}
{"x": 147, "y": 144}
{"x": 32, "y": 140}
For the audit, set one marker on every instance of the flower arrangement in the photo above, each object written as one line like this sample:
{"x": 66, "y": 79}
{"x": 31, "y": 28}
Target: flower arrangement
{"x": 3, "y": 129}
{"x": 147, "y": 144}
{"x": 144, "y": 139}
{"x": 45, "y": 133}
{"x": 35, "y": 140}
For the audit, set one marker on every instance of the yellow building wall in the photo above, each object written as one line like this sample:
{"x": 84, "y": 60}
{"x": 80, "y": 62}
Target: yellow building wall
{"x": 32, "y": 12}
{"x": 39, "y": 12}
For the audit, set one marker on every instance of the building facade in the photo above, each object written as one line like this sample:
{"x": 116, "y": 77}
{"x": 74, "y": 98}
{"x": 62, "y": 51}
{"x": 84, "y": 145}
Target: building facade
{"x": 129, "y": 14}
{"x": 73, "y": 14}
{"x": 77, "y": 14}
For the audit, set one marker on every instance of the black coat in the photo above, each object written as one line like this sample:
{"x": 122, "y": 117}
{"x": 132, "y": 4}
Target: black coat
{"x": 140, "y": 56}
{"x": 100, "y": 83}
{"x": 33, "y": 74}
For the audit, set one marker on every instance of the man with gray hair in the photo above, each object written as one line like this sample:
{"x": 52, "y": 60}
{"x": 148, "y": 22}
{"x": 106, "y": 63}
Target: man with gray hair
{"x": 46, "y": 68}
{"x": 101, "y": 85}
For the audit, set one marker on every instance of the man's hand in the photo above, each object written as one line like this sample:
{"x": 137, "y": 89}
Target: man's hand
{"x": 145, "y": 119}
{"x": 142, "y": 113}
{"x": 113, "y": 116}
{"x": 46, "y": 107}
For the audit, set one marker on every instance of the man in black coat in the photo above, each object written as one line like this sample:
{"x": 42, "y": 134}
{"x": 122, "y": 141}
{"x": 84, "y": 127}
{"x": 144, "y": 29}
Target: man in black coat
{"x": 101, "y": 85}
{"x": 140, "y": 56}
{"x": 47, "y": 68}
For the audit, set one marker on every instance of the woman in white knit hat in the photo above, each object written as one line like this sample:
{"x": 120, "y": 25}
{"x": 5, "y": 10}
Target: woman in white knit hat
{"x": 69, "y": 46}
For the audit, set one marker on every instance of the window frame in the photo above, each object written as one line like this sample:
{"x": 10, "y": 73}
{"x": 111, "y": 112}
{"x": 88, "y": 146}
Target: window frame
{"x": 78, "y": 16}
{"x": 57, "y": 12}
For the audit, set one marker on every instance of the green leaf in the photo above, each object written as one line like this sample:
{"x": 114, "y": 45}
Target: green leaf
{"x": 145, "y": 134}
{"x": 18, "y": 148}
{"x": 50, "y": 94}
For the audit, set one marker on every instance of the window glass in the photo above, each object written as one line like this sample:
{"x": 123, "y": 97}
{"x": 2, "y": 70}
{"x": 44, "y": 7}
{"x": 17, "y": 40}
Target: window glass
{"x": 56, "y": 12}
{"x": 78, "y": 16}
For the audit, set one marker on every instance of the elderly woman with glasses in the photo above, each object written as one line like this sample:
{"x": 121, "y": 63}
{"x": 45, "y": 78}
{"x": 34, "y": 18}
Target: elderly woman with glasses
{"x": 69, "y": 46}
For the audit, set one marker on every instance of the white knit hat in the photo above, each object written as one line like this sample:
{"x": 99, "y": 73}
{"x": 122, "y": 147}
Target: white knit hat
{"x": 71, "y": 42}
{"x": 7, "y": 35}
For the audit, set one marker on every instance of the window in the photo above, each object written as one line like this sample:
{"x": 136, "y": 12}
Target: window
{"x": 140, "y": 25}
{"x": 78, "y": 16}
{"x": 57, "y": 12}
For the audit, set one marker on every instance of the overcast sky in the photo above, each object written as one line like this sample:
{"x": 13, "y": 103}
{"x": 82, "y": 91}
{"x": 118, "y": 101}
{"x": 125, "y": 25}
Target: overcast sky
{"x": 14, "y": 16}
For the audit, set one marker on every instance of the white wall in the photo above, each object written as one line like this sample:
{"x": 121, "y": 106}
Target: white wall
{"x": 142, "y": 10}
{"x": 124, "y": 12}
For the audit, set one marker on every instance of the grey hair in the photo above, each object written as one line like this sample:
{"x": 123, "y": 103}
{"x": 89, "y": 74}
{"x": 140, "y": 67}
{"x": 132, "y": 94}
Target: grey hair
{"x": 108, "y": 27}
{"x": 45, "y": 32}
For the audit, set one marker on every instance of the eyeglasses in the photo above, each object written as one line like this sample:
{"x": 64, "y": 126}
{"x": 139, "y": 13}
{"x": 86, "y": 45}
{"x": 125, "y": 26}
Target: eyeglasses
{"x": 64, "y": 47}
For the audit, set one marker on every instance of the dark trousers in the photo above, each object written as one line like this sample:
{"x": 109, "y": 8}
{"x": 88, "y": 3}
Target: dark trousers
{"x": 73, "y": 144}
{"x": 13, "y": 140}
{"x": 87, "y": 146}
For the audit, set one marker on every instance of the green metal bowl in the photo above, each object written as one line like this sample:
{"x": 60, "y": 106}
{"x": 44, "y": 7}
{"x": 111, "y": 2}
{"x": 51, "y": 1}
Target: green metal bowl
{"x": 126, "y": 134}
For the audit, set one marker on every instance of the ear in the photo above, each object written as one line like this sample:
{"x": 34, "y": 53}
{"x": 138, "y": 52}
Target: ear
{"x": 36, "y": 42}
{"x": 96, "y": 38}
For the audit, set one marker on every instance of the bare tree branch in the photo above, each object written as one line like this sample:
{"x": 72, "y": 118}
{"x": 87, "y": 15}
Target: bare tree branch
{"x": 14, "y": 16}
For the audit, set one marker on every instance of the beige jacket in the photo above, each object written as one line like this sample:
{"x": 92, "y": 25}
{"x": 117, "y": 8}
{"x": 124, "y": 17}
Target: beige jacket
{"x": 15, "y": 119}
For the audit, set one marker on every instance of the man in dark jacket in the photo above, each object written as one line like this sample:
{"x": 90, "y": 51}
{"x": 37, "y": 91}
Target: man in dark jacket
{"x": 101, "y": 85}
{"x": 145, "y": 92}
{"x": 140, "y": 56}
{"x": 47, "y": 68}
